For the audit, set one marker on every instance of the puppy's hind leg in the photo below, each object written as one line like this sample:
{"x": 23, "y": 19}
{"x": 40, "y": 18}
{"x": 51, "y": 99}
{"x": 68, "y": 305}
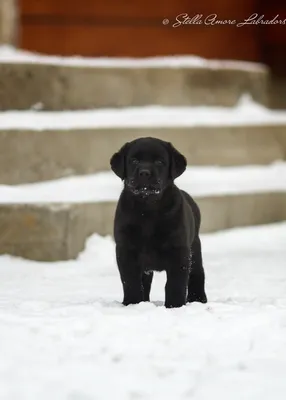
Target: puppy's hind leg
{"x": 147, "y": 278}
{"x": 196, "y": 287}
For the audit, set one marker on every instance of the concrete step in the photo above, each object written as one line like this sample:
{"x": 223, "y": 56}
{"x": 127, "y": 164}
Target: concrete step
{"x": 36, "y": 146}
{"x": 51, "y": 232}
{"x": 51, "y": 221}
{"x": 32, "y": 156}
{"x": 74, "y": 83}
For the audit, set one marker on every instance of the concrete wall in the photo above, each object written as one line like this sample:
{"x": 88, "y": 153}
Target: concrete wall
{"x": 8, "y": 22}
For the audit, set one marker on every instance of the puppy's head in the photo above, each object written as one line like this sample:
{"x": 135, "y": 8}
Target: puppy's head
{"x": 147, "y": 166}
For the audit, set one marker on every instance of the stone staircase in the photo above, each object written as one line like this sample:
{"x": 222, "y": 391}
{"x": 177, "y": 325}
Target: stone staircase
{"x": 30, "y": 154}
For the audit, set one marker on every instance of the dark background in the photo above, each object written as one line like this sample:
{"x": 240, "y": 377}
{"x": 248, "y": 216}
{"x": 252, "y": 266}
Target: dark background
{"x": 133, "y": 28}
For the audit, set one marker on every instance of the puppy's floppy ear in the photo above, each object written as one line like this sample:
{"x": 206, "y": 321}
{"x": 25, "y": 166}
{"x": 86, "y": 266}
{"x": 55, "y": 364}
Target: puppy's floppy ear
{"x": 117, "y": 162}
{"x": 178, "y": 162}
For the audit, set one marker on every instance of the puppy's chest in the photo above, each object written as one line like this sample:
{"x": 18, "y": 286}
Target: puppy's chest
{"x": 150, "y": 238}
{"x": 150, "y": 235}
{"x": 148, "y": 229}
{"x": 149, "y": 243}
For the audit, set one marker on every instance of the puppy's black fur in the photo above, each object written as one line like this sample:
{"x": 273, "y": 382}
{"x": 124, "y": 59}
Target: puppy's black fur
{"x": 156, "y": 225}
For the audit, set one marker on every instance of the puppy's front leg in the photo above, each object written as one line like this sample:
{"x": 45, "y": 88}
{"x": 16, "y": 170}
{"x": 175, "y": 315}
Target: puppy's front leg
{"x": 130, "y": 274}
{"x": 196, "y": 289}
{"x": 147, "y": 278}
{"x": 177, "y": 279}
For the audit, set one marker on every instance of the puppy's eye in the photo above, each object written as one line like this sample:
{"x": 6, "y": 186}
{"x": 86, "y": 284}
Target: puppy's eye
{"x": 134, "y": 161}
{"x": 159, "y": 162}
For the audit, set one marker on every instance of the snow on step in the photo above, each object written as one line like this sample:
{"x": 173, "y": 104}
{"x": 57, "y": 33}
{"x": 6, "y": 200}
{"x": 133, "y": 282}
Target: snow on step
{"x": 246, "y": 112}
{"x": 105, "y": 186}
{"x": 77, "y": 342}
{"x": 11, "y": 55}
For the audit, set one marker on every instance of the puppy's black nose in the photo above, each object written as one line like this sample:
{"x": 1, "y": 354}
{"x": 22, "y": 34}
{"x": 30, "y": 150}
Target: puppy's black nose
{"x": 144, "y": 173}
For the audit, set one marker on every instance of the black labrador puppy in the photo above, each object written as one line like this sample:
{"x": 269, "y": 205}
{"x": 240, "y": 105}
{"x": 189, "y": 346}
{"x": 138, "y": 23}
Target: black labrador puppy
{"x": 156, "y": 225}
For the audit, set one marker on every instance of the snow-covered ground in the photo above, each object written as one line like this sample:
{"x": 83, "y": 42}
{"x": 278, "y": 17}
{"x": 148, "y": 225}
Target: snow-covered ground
{"x": 65, "y": 336}
{"x": 9, "y": 54}
{"x": 106, "y": 186}
{"x": 246, "y": 112}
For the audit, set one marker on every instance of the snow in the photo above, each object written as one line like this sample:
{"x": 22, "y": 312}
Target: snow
{"x": 9, "y": 54}
{"x": 106, "y": 186}
{"x": 246, "y": 112}
{"x": 65, "y": 336}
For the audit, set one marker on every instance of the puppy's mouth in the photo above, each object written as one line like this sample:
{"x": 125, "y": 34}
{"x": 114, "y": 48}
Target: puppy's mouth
{"x": 144, "y": 190}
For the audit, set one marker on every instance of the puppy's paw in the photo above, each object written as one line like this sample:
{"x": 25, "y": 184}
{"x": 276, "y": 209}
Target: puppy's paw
{"x": 195, "y": 297}
{"x": 127, "y": 302}
{"x": 174, "y": 304}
